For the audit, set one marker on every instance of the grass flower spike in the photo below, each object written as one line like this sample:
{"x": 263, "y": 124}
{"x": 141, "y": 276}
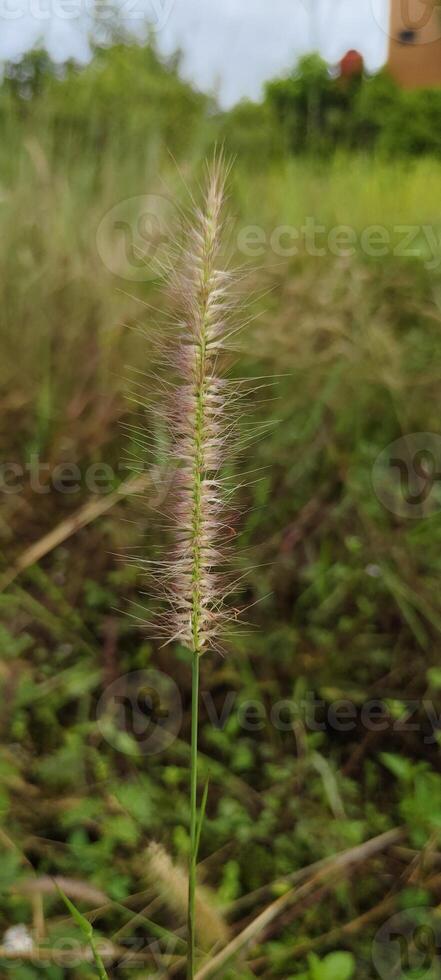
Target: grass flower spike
{"x": 199, "y": 429}
{"x": 201, "y": 426}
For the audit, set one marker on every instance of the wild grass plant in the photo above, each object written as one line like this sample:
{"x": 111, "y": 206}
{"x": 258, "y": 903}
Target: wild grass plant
{"x": 201, "y": 412}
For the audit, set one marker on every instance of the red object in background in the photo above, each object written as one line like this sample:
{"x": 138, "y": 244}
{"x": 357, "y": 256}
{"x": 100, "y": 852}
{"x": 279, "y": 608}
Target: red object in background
{"x": 352, "y": 64}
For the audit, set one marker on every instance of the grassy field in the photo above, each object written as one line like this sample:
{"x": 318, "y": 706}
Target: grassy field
{"x": 344, "y": 559}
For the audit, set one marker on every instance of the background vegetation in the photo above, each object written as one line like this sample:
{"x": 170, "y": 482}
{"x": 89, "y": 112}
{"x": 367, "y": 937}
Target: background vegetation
{"x": 343, "y": 592}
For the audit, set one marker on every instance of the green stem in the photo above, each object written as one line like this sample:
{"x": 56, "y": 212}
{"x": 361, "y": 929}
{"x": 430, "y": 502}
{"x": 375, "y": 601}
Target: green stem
{"x": 193, "y": 816}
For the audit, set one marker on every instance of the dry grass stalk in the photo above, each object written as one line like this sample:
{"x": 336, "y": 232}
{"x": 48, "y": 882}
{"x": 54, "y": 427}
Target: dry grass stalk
{"x": 171, "y": 884}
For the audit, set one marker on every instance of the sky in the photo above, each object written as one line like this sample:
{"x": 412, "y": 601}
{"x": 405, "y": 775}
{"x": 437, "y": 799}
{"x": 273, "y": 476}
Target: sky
{"x": 229, "y": 48}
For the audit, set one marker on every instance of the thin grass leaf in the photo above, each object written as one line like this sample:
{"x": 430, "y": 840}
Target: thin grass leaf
{"x": 87, "y": 931}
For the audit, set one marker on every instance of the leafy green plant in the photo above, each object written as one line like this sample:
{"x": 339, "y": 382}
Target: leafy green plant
{"x": 420, "y": 802}
{"x": 335, "y": 966}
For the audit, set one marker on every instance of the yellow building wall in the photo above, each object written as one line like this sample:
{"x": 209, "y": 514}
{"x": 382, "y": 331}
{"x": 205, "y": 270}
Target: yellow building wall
{"x": 415, "y": 43}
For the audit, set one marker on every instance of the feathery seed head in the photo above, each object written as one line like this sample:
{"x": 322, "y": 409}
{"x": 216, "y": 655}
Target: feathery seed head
{"x": 200, "y": 423}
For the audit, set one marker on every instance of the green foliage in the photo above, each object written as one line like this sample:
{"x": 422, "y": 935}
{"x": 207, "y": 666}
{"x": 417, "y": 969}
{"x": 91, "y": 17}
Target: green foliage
{"x": 319, "y": 112}
{"x": 335, "y": 966}
{"x": 434, "y": 678}
{"x": 310, "y": 105}
{"x": 420, "y": 804}
{"x": 127, "y": 96}
{"x": 252, "y": 132}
